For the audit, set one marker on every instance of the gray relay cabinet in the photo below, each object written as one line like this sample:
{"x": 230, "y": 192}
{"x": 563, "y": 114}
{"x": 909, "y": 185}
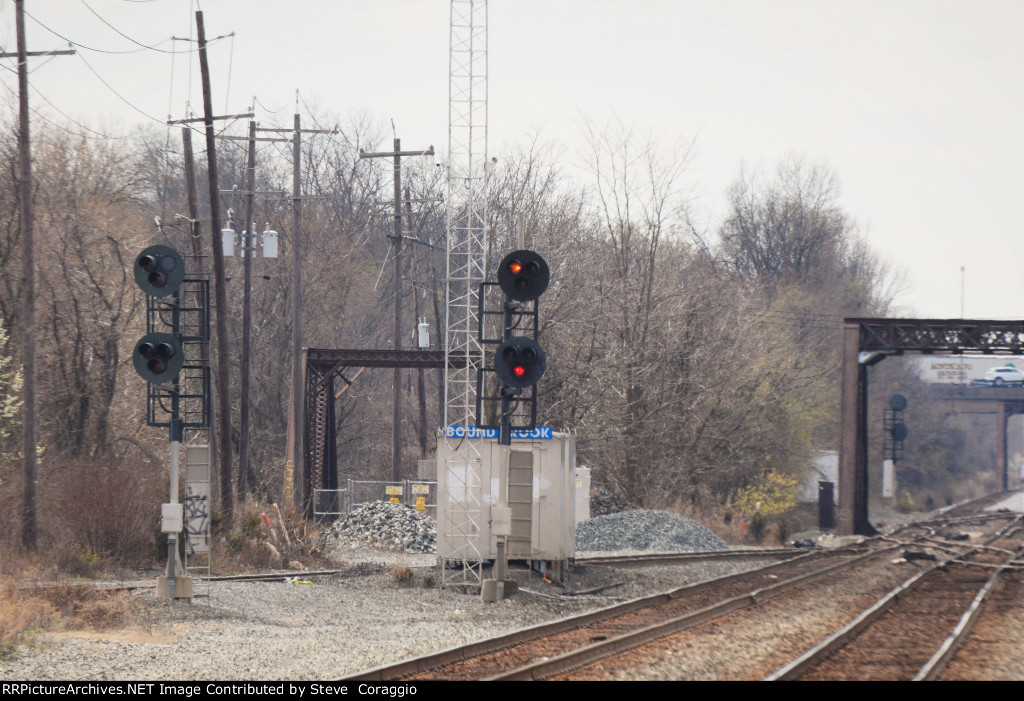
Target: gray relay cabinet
{"x": 536, "y": 483}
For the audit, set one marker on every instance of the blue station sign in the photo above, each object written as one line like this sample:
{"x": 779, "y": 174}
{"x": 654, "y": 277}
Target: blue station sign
{"x": 540, "y": 432}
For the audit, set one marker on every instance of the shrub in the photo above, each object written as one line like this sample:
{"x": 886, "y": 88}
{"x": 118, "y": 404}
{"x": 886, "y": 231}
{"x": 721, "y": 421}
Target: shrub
{"x": 782, "y": 531}
{"x": 774, "y": 493}
{"x": 105, "y": 510}
{"x": 401, "y": 574}
{"x": 758, "y": 527}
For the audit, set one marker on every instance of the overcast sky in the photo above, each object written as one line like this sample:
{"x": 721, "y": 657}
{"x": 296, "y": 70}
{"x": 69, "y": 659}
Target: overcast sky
{"x": 918, "y": 105}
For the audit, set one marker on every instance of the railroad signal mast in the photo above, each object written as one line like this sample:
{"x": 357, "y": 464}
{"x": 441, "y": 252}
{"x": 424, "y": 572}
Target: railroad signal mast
{"x": 519, "y": 360}
{"x": 178, "y": 391}
{"x": 892, "y": 451}
{"x": 519, "y": 363}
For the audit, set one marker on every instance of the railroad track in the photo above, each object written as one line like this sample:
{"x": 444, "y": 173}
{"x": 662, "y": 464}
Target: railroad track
{"x": 898, "y": 638}
{"x": 640, "y": 560}
{"x": 553, "y": 649}
{"x": 654, "y": 559}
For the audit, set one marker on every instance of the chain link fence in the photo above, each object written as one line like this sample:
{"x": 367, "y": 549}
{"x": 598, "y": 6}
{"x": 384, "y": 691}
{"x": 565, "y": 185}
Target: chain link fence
{"x": 332, "y": 504}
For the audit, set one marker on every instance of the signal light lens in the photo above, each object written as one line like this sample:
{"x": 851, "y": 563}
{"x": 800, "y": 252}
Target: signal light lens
{"x": 523, "y": 275}
{"x": 159, "y": 271}
{"x": 158, "y": 357}
{"x": 519, "y": 362}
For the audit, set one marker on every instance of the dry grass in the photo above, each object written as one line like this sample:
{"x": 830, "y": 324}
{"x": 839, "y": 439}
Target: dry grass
{"x": 32, "y": 600}
{"x": 246, "y": 545}
{"x": 20, "y": 611}
{"x": 401, "y": 574}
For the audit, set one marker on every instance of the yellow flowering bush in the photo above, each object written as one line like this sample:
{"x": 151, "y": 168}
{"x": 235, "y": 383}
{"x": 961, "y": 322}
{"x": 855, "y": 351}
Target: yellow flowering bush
{"x": 774, "y": 493}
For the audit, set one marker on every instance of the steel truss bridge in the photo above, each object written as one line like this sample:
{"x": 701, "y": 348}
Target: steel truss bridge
{"x": 324, "y": 369}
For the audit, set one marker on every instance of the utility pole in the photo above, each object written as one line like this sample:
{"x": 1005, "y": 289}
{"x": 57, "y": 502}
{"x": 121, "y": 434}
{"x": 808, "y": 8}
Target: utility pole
{"x": 195, "y": 234}
{"x": 220, "y": 296}
{"x": 294, "y": 443}
{"x": 294, "y": 460}
{"x": 28, "y": 283}
{"x": 292, "y": 486}
{"x": 294, "y": 449}
{"x": 421, "y": 390}
{"x": 396, "y": 418}
{"x": 190, "y": 189}
{"x": 247, "y": 252}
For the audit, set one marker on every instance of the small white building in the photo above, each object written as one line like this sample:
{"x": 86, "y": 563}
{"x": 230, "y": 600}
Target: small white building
{"x": 826, "y": 469}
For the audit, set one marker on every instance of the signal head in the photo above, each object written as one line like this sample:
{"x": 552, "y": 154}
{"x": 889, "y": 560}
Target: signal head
{"x": 897, "y": 402}
{"x": 159, "y": 271}
{"x": 519, "y": 362}
{"x": 158, "y": 357}
{"x": 523, "y": 275}
{"x": 899, "y": 432}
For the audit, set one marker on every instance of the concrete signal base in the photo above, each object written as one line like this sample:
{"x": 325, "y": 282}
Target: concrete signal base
{"x": 492, "y": 590}
{"x": 182, "y": 587}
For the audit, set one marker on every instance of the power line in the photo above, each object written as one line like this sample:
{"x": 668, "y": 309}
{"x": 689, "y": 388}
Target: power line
{"x": 83, "y": 46}
{"x": 98, "y": 135}
{"x": 122, "y": 98}
{"x": 128, "y": 102}
{"x": 144, "y": 47}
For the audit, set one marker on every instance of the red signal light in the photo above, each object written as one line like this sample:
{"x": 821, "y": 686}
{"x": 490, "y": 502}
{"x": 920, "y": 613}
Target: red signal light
{"x": 515, "y": 267}
{"x": 519, "y": 362}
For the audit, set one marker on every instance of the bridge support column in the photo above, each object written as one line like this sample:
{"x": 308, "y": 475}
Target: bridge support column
{"x": 853, "y": 439}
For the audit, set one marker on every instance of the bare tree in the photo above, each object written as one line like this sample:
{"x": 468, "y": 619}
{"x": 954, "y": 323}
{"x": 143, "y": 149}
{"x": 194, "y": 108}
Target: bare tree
{"x": 640, "y": 204}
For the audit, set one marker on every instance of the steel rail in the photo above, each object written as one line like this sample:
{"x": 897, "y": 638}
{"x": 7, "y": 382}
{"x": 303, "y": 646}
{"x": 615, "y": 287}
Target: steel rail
{"x": 931, "y": 669}
{"x": 565, "y": 662}
{"x": 414, "y": 665}
{"x": 795, "y": 668}
{"x": 649, "y": 559}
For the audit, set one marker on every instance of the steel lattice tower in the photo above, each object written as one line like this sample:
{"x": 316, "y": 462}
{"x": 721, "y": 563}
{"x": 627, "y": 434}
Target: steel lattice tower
{"x": 466, "y": 217}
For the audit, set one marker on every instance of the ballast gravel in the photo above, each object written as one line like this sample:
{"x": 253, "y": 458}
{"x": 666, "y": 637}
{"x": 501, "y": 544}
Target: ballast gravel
{"x": 386, "y": 526}
{"x": 645, "y": 530}
{"x": 605, "y": 502}
{"x": 337, "y": 625}
{"x": 385, "y": 605}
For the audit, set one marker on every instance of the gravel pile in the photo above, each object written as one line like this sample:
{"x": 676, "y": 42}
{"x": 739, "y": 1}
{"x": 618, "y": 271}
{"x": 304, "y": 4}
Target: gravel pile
{"x": 608, "y": 503}
{"x": 386, "y": 526}
{"x": 645, "y": 530}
